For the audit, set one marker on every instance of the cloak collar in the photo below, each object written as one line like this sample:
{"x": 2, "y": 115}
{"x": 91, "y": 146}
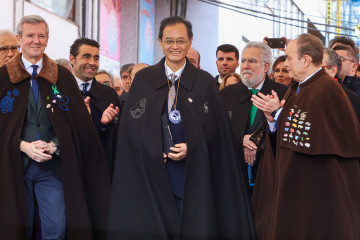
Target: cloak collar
{"x": 187, "y": 77}
{"x": 18, "y": 73}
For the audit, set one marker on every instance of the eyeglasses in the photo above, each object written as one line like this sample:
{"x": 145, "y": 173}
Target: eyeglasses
{"x": 7, "y": 49}
{"x": 172, "y": 41}
{"x": 344, "y": 58}
{"x": 329, "y": 66}
{"x": 125, "y": 77}
{"x": 251, "y": 61}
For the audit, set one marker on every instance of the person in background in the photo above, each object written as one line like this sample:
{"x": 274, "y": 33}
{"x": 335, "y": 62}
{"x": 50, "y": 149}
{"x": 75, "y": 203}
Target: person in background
{"x": 8, "y": 46}
{"x": 281, "y": 74}
{"x": 194, "y": 57}
{"x": 227, "y": 60}
{"x": 105, "y": 78}
{"x": 65, "y": 63}
{"x": 230, "y": 79}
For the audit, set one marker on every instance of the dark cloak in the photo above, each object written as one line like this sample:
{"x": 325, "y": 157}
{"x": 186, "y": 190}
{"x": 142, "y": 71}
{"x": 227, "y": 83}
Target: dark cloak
{"x": 310, "y": 190}
{"x": 84, "y": 167}
{"x": 215, "y": 199}
{"x": 237, "y": 101}
{"x": 101, "y": 97}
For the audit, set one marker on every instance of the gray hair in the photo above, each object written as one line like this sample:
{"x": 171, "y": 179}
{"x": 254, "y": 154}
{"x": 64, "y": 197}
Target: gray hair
{"x": 5, "y": 32}
{"x": 33, "y": 19}
{"x": 126, "y": 68}
{"x": 63, "y": 62}
{"x": 333, "y": 60}
{"x": 102, "y": 71}
{"x": 266, "y": 54}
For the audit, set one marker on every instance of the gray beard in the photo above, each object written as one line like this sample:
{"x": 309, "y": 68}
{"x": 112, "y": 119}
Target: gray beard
{"x": 251, "y": 83}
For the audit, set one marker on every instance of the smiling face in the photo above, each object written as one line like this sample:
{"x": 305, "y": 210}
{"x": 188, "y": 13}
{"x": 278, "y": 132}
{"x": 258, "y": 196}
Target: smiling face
{"x": 281, "y": 74}
{"x": 86, "y": 63}
{"x": 175, "y": 43}
{"x": 33, "y": 41}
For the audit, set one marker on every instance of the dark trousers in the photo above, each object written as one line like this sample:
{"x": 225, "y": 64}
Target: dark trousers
{"x": 42, "y": 185}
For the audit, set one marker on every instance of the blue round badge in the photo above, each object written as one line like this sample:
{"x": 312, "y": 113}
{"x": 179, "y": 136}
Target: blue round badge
{"x": 175, "y": 117}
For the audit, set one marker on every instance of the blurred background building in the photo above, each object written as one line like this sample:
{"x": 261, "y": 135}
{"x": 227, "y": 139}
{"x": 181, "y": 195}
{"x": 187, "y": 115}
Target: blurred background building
{"x": 127, "y": 29}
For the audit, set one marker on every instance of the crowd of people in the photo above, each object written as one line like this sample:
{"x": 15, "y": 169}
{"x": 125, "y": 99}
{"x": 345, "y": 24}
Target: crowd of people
{"x": 169, "y": 151}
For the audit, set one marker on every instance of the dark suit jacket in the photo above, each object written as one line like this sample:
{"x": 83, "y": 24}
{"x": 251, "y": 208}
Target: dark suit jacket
{"x": 101, "y": 97}
{"x": 37, "y": 121}
{"x": 238, "y": 104}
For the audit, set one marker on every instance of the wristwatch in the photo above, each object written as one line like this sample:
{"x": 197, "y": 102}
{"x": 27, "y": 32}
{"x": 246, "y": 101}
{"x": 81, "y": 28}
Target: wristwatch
{"x": 273, "y": 114}
{"x": 57, "y": 151}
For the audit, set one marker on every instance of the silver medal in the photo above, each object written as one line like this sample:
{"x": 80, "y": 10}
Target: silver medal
{"x": 175, "y": 117}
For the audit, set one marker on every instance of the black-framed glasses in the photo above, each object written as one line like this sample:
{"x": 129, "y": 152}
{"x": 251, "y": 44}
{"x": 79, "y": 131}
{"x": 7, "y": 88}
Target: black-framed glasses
{"x": 6, "y": 49}
{"x": 344, "y": 58}
{"x": 172, "y": 41}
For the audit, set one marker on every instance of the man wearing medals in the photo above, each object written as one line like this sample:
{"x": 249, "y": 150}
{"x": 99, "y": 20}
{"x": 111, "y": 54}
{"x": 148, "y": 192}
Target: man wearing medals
{"x": 178, "y": 174}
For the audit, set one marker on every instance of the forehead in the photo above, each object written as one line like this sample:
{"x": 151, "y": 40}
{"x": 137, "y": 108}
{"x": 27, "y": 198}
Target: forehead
{"x": 39, "y": 28}
{"x": 125, "y": 73}
{"x": 291, "y": 49}
{"x": 252, "y": 52}
{"x": 192, "y": 53}
{"x": 103, "y": 76}
{"x": 177, "y": 30}
{"x": 342, "y": 53}
{"x": 8, "y": 40}
{"x": 280, "y": 65}
{"x": 225, "y": 54}
{"x": 87, "y": 49}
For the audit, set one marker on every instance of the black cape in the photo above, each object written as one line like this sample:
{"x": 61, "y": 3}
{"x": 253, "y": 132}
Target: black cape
{"x": 84, "y": 168}
{"x": 215, "y": 199}
{"x": 237, "y": 101}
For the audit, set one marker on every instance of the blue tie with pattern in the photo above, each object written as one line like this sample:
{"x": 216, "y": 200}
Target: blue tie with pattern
{"x": 34, "y": 83}
{"x": 84, "y": 90}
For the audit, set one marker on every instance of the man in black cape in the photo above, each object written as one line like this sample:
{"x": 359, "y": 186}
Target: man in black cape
{"x": 49, "y": 142}
{"x": 256, "y": 60}
{"x": 197, "y": 191}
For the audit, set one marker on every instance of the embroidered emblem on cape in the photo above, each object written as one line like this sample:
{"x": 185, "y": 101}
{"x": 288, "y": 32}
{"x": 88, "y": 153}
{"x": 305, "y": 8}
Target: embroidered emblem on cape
{"x": 206, "y": 108}
{"x": 7, "y": 102}
{"x": 139, "y": 108}
{"x": 190, "y": 100}
{"x": 60, "y": 99}
{"x": 297, "y": 137}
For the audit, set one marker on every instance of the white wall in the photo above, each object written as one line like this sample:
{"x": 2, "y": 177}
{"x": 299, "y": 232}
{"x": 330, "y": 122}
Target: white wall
{"x": 62, "y": 33}
{"x": 7, "y": 15}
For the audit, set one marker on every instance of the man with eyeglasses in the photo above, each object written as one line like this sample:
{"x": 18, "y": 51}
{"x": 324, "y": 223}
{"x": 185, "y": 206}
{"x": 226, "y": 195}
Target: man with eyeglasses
{"x": 350, "y": 62}
{"x": 256, "y": 60}
{"x": 177, "y": 175}
{"x": 309, "y": 179}
{"x": 102, "y": 101}
{"x": 332, "y": 64}
{"x": 8, "y": 46}
{"x": 125, "y": 81}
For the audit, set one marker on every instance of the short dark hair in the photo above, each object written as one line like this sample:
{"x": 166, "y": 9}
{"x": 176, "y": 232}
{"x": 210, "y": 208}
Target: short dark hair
{"x": 343, "y": 40}
{"x": 334, "y": 60}
{"x": 349, "y": 50}
{"x": 312, "y": 46}
{"x": 280, "y": 59}
{"x": 227, "y": 48}
{"x": 172, "y": 21}
{"x": 74, "y": 49}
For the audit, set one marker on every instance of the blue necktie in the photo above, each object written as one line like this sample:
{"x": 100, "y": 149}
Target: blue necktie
{"x": 34, "y": 83}
{"x": 298, "y": 89}
{"x": 84, "y": 90}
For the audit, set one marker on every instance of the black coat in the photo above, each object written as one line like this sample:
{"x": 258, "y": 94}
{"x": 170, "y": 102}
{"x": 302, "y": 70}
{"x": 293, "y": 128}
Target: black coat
{"x": 215, "y": 200}
{"x": 101, "y": 97}
{"x": 238, "y": 104}
{"x": 84, "y": 169}
{"x": 354, "y": 99}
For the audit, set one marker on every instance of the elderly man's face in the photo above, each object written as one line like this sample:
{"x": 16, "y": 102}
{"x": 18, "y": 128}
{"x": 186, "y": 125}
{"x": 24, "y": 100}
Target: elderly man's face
{"x": 193, "y": 57}
{"x": 253, "y": 69}
{"x": 293, "y": 63}
{"x": 8, "y": 48}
